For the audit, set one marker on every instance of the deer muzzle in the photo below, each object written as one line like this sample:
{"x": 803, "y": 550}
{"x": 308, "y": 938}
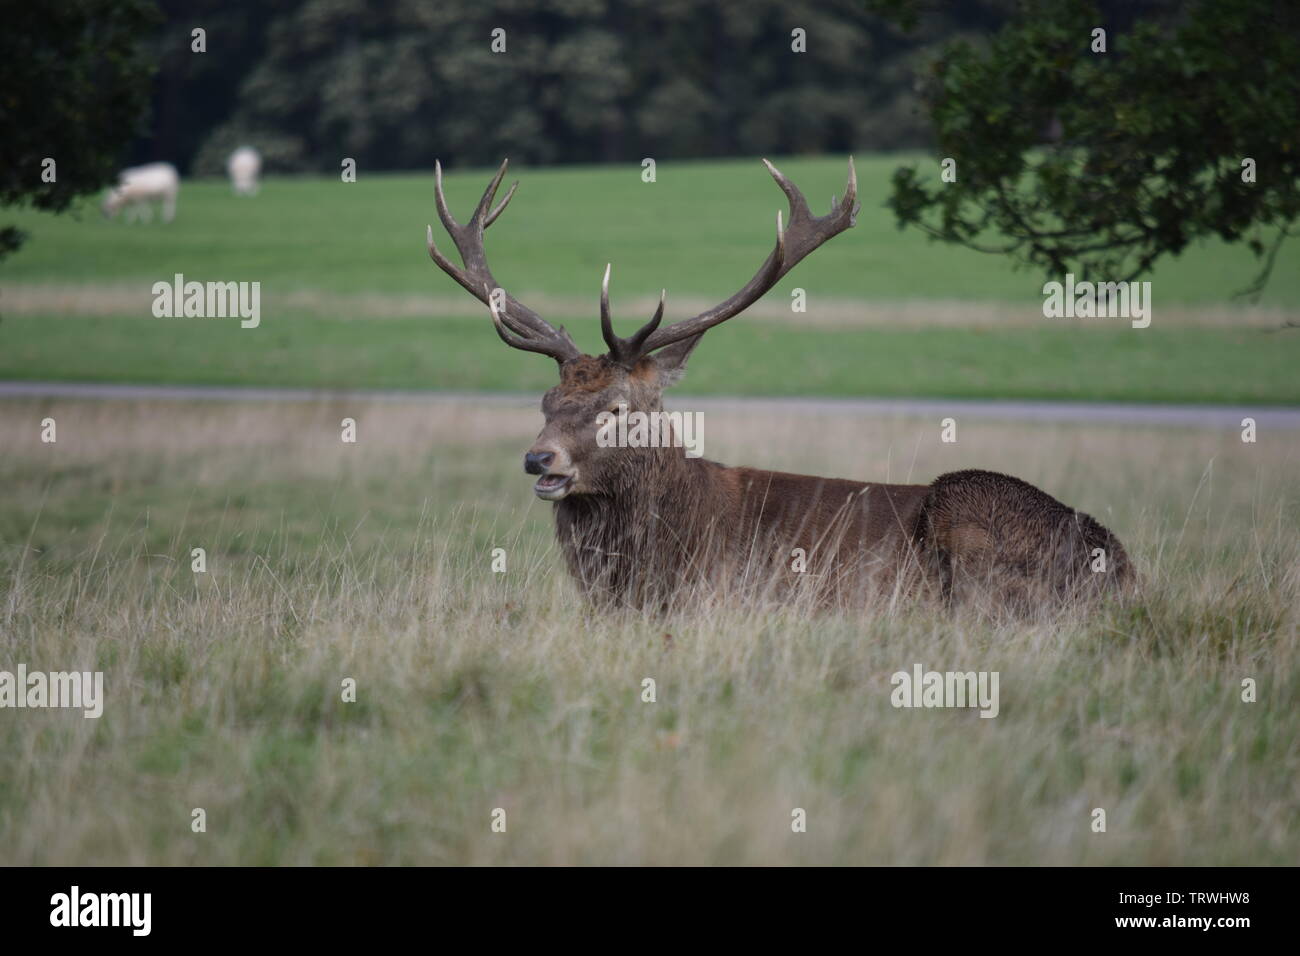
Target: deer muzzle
{"x": 556, "y": 479}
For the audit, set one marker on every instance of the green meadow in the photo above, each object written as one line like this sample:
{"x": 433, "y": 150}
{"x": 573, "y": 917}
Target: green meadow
{"x": 350, "y": 298}
{"x": 1205, "y": 365}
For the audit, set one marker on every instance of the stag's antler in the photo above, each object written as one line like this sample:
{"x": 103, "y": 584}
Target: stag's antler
{"x": 625, "y": 351}
{"x": 804, "y": 234}
{"x": 518, "y": 326}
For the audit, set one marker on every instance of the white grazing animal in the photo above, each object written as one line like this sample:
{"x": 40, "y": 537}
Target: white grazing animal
{"x": 244, "y": 166}
{"x": 138, "y": 186}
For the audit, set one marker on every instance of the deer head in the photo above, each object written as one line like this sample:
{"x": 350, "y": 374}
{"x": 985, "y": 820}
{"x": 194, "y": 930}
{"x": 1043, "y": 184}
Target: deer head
{"x": 634, "y": 372}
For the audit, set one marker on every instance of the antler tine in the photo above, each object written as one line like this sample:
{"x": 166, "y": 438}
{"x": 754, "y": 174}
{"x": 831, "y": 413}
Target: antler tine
{"x": 489, "y": 194}
{"x": 444, "y": 213}
{"x": 440, "y": 200}
{"x": 625, "y": 351}
{"x": 514, "y": 339}
{"x": 804, "y": 233}
{"x": 606, "y": 323}
{"x": 851, "y": 195}
{"x": 635, "y": 343}
{"x": 798, "y": 205}
{"x": 518, "y": 326}
{"x": 501, "y": 206}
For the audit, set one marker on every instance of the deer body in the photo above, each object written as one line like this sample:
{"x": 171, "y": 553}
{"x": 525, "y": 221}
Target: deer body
{"x": 650, "y": 528}
{"x": 678, "y": 526}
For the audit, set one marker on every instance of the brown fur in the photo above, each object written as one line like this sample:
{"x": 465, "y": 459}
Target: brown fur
{"x": 987, "y": 535}
{"x": 651, "y": 528}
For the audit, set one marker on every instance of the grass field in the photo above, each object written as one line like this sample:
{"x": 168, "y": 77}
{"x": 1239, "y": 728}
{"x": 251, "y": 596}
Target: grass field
{"x": 479, "y": 690}
{"x": 1198, "y": 364}
{"x": 350, "y": 298}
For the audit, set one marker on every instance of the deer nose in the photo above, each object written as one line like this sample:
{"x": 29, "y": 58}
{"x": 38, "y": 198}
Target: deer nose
{"x": 536, "y": 463}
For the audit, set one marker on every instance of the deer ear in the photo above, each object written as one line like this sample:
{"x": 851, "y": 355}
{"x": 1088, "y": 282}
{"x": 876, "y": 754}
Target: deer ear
{"x": 671, "y": 360}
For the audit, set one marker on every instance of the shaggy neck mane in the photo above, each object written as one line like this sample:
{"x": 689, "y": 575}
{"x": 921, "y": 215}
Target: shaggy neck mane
{"x": 649, "y": 528}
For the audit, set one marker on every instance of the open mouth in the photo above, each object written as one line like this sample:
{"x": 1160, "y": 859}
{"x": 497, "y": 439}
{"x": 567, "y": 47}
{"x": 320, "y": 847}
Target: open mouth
{"x": 553, "y": 487}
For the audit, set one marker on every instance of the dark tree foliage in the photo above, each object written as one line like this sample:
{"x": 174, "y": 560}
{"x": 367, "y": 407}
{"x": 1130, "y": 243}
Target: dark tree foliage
{"x": 74, "y": 87}
{"x": 1100, "y": 163}
{"x": 395, "y": 84}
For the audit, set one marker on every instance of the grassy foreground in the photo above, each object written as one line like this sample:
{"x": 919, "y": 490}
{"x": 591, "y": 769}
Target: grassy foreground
{"x": 478, "y": 691}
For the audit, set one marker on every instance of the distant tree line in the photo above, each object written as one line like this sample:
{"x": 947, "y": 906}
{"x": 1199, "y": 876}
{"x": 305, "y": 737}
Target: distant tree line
{"x": 1094, "y": 137}
{"x": 396, "y": 83}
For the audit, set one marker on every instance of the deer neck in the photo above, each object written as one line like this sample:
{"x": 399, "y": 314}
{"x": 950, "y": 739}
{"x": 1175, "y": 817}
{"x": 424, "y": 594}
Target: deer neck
{"x": 650, "y": 524}
{"x": 646, "y": 481}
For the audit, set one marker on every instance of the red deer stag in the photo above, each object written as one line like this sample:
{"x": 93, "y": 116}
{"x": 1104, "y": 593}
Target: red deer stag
{"x": 649, "y": 527}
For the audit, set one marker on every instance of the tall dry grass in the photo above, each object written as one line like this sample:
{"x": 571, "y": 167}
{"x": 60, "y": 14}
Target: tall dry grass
{"x": 478, "y": 690}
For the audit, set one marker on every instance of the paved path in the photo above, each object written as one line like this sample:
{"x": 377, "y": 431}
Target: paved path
{"x": 1203, "y": 416}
